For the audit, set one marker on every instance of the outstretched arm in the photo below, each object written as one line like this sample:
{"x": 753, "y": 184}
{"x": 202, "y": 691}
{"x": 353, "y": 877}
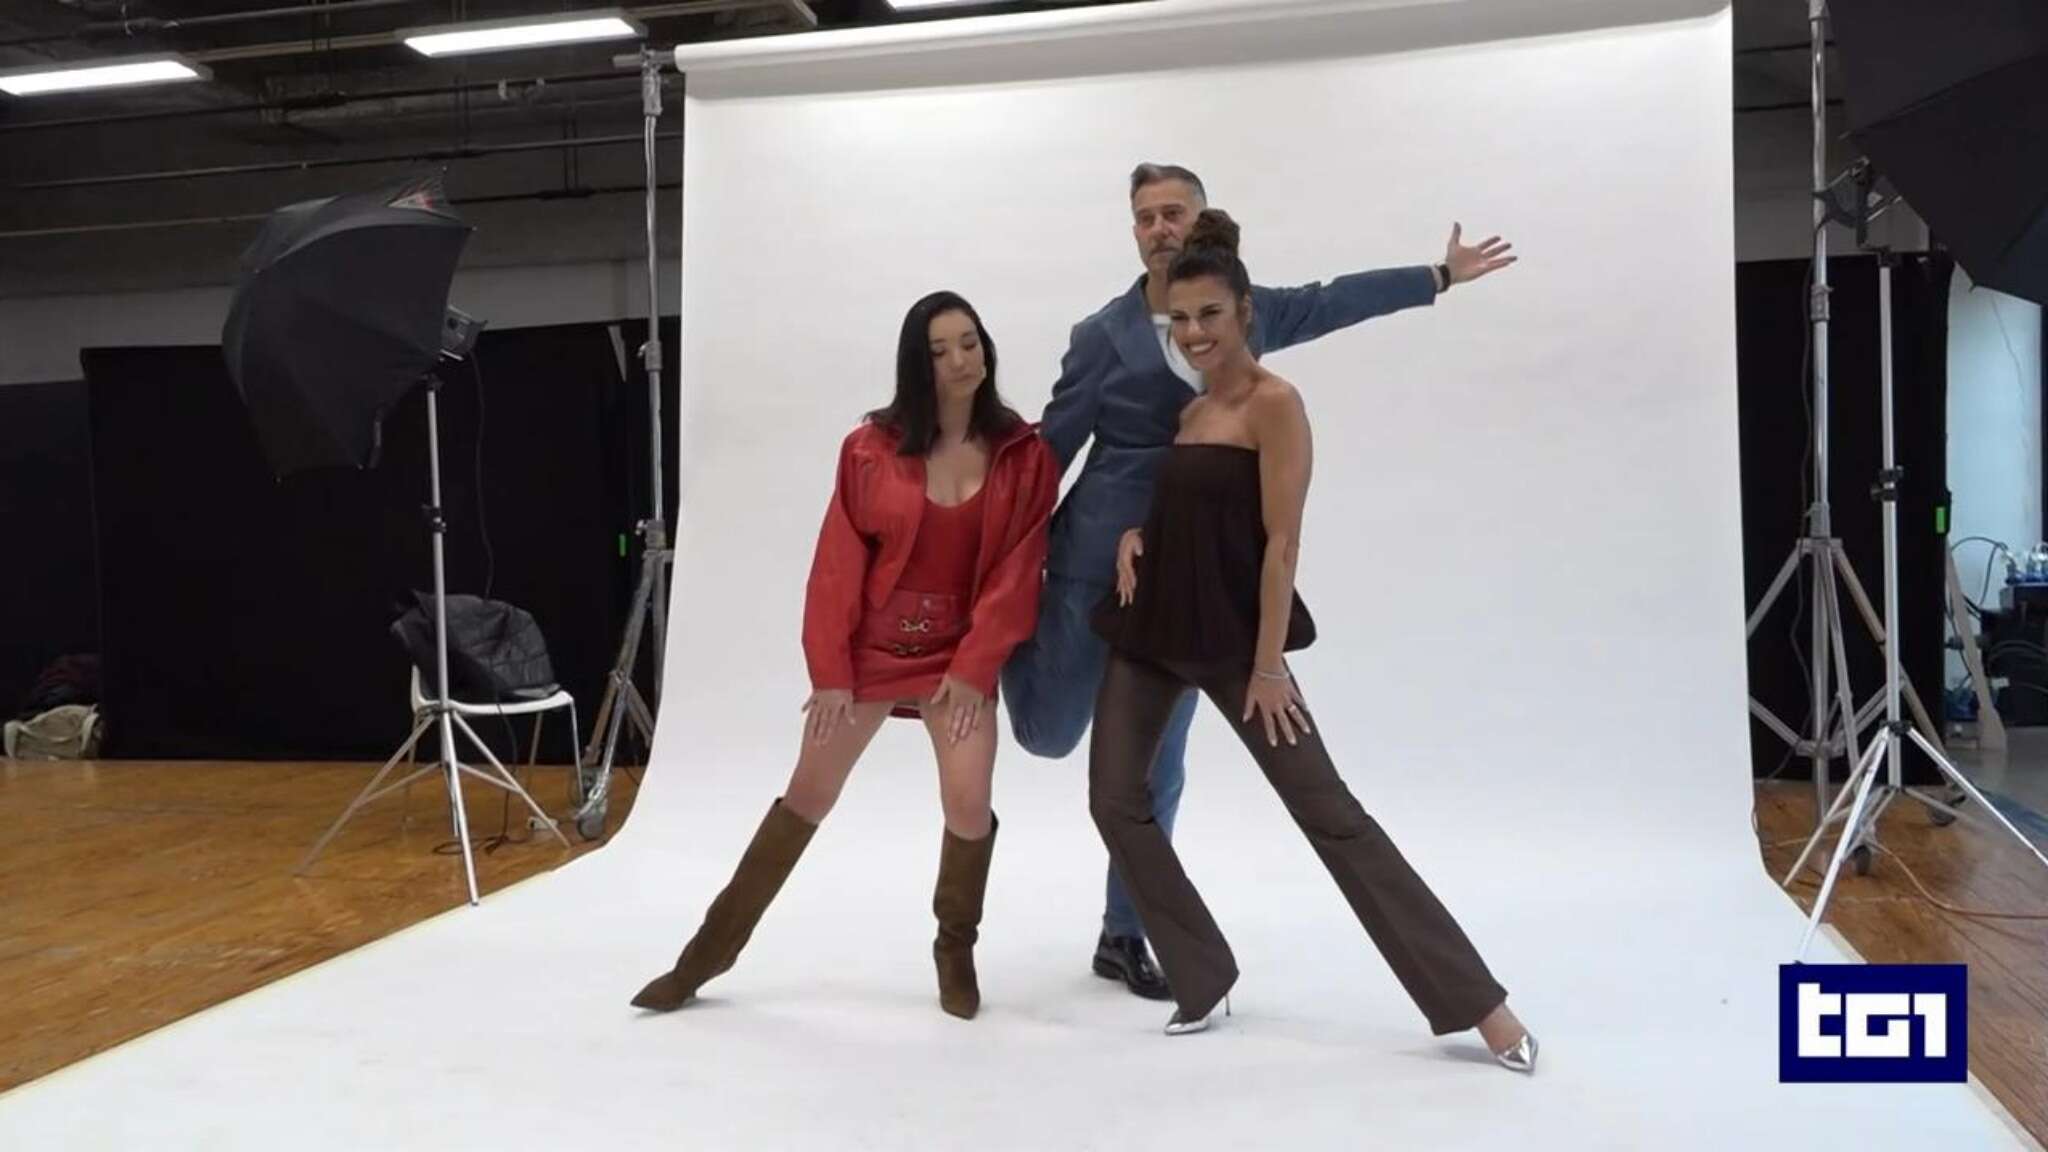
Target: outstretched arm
{"x": 1290, "y": 316}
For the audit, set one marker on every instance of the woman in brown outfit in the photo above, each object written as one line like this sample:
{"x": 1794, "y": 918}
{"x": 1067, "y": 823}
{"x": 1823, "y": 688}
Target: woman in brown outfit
{"x": 1205, "y": 600}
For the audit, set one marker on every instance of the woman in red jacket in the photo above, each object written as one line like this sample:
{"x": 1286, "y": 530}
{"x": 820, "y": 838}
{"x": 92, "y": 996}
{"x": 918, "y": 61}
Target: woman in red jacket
{"x": 926, "y": 575}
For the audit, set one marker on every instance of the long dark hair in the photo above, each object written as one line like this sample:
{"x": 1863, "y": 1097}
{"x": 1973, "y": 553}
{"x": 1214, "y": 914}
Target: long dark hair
{"x": 1211, "y": 250}
{"x": 914, "y": 413}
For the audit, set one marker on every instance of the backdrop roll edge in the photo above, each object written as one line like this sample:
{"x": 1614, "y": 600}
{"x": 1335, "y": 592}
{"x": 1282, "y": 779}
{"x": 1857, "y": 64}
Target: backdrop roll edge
{"x": 1139, "y": 37}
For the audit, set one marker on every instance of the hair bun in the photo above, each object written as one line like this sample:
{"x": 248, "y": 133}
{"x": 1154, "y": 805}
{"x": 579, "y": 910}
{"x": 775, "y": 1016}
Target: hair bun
{"x": 1214, "y": 230}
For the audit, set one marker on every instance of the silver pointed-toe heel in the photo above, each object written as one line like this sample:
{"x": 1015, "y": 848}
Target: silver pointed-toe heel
{"x": 1521, "y": 1056}
{"x": 1181, "y": 1025}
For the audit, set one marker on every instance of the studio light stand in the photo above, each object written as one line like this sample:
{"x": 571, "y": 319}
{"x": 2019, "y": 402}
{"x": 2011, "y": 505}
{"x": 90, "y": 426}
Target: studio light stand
{"x": 1817, "y": 546}
{"x": 622, "y": 700}
{"x": 440, "y": 712}
{"x": 1859, "y": 833}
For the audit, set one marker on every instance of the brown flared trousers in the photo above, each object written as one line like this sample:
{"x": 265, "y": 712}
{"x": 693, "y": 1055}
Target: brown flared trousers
{"x": 1423, "y": 945}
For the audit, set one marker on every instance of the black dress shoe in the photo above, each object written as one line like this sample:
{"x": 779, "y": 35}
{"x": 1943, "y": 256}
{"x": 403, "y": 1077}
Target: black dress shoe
{"x": 1124, "y": 958}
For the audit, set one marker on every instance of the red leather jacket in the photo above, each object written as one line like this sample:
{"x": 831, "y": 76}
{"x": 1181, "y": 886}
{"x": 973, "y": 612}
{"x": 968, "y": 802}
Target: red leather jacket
{"x": 877, "y": 504}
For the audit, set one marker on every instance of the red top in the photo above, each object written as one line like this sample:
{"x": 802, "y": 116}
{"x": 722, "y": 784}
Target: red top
{"x": 871, "y": 530}
{"x": 948, "y": 543}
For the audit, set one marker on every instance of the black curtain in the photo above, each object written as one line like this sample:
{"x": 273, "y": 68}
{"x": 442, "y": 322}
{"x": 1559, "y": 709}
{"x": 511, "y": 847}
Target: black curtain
{"x": 48, "y": 605}
{"x": 247, "y": 617}
{"x": 1775, "y": 387}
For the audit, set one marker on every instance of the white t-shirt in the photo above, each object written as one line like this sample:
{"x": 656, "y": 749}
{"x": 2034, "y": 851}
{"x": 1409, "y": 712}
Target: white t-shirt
{"x": 1163, "y": 325}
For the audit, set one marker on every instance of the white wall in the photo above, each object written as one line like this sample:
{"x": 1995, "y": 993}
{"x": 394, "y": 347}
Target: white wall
{"x": 40, "y": 336}
{"x": 1994, "y": 428}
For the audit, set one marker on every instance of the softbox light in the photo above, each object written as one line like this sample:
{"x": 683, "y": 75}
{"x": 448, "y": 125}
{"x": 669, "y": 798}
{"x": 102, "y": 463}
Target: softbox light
{"x": 338, "y": 312}
{"x": 1950, "y": 102}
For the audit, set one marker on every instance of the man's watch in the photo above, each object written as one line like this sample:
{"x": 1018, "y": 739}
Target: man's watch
{"x": 1443, "y": 277}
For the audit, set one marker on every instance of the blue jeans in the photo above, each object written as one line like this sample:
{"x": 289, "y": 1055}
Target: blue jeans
{"x": 1049, "y": 685}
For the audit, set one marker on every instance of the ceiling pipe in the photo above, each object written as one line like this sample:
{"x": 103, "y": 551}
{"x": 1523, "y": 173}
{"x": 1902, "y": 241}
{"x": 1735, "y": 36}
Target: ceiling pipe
{"x": 585, "y": 193}
{"x": 464, "y": 152}
{"x": 322, "y": 100}
{"x": 139, "y": 25}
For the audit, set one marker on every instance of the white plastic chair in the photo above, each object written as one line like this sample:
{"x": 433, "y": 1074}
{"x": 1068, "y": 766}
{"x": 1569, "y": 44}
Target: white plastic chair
{"x": 538, "y": 709}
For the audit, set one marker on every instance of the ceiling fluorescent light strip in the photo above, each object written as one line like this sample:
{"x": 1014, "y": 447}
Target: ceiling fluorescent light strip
{"x": 505, "y": 35}
{"x": 87, "y": 75}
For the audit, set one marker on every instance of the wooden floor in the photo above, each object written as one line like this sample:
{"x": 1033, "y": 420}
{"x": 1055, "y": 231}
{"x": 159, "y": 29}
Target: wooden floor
{"x": 133, "y": 894}
{"x": 1887, "y": 920}
{"x": 139, "y": 893}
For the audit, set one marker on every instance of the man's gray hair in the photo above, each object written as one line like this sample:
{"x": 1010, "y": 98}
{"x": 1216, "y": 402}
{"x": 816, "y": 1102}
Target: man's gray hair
{"x": 1145, "y": 174}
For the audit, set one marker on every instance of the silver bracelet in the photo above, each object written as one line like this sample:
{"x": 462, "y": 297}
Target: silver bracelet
{"x": 1272, "y": 675}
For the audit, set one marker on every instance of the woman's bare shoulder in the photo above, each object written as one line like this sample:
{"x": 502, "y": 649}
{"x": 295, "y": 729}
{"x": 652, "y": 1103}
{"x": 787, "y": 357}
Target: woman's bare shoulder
{"x": 1275, "y": 398}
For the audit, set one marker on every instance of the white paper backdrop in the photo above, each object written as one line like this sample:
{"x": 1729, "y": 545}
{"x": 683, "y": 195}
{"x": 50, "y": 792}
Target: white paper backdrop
{"x": 1523, "y": 543}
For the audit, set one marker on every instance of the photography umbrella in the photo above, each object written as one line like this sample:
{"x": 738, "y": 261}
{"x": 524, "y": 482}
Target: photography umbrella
{"x": 337, "y": 314}
{"x": 1950, "y": 102}
{"x": 341, "y": 310}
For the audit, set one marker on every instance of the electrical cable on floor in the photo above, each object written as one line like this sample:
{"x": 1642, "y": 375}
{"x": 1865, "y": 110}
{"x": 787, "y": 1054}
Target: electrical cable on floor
{"x": 1929, "y": 897}
{"x": 1947, "y": 907}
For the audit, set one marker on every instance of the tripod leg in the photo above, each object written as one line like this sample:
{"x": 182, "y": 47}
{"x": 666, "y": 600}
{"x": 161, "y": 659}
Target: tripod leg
{"x": 510, "y": 783}
{"x": 622, "y": 668}
{"x": 1943, "y": 813}
{"x": 453, "y": 768}
{"x": 1851, "y": 734}
{"x": 643, "y": 716}
{"x": 575, "y": 755}
{"x": 1777, "y": 726}
{"x": 1876, "y": 627}
{"x": 1866, "y": 770}
{"x": 657, "y": 581}
{"x": 368, "y": 793}
{"x": 589, "y": 824}
{"x": 1763, "y": 607}
{"x": 1963, "y": 783}
{"x": 1819, "y": 755}
{"x": 633, "y": 707}
{"x": 1784, "y": 732}
{"x": 1820, "y": 829}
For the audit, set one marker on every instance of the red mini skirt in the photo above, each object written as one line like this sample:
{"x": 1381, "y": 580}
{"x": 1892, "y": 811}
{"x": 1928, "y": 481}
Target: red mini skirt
{"x": 902, "y": 651}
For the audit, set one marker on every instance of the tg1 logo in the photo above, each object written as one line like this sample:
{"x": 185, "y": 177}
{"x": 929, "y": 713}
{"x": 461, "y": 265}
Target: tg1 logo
{"x": 1873, "y": 1023}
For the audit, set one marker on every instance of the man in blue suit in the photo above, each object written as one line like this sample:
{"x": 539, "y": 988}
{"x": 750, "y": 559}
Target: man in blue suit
{"x": 1123, "y": 382}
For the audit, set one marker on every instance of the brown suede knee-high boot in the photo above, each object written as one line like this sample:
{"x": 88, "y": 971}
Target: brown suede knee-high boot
{"x": 956, "y": 901}
{"x": 730, "y": 920}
